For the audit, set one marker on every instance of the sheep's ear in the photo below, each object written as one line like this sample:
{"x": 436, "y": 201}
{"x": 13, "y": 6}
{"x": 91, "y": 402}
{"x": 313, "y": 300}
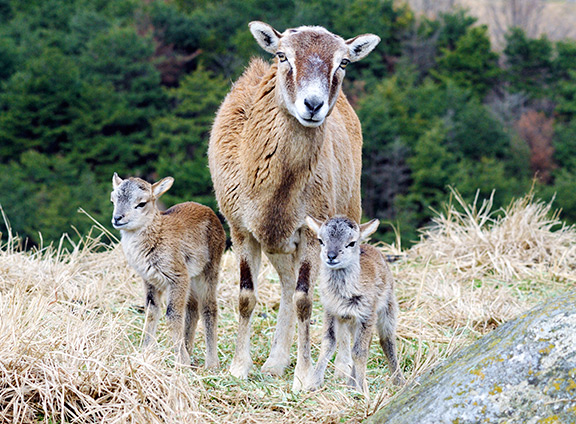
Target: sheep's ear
{"x": 266, "y": 36}
{"x": 116, "y": 181}
{"x": 162, "y": 186}
{"x": 314, "y": 224}
{"x": 361, "y": 45}
{"x": 368, "y": 228}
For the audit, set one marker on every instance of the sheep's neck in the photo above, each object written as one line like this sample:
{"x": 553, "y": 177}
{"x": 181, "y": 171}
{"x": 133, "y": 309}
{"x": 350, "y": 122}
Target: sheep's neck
{"x": 281, "y": 162}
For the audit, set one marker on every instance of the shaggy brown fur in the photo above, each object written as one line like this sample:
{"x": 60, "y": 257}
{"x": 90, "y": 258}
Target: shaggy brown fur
{"x": 269, "y": 172}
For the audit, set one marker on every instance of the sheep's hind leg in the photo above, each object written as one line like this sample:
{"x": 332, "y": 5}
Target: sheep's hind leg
{"x": 248, "y": 253}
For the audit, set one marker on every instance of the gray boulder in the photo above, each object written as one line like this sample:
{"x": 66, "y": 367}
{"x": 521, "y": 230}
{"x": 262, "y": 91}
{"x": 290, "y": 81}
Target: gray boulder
{"x": 522, "y": 372}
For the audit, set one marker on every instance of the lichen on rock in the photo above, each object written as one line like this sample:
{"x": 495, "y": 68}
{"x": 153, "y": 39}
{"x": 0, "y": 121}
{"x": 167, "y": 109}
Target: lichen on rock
{"x": 522, "y": 372}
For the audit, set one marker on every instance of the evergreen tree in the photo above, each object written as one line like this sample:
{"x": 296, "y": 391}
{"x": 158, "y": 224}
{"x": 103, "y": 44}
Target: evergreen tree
{"x": 529, "y": 63}
{"x": 181, "y": 138}
{"x": 472, "y": 64}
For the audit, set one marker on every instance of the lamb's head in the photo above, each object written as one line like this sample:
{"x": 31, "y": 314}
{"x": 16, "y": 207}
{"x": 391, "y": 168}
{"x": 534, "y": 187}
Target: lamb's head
{"x": 311, "y": 62}
{"x": 134, "y": 201}
{"x": 340, "y": 239}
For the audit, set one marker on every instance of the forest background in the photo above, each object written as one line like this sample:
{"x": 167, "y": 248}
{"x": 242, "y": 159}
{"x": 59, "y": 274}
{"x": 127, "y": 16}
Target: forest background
{"x": 92, "y": 87}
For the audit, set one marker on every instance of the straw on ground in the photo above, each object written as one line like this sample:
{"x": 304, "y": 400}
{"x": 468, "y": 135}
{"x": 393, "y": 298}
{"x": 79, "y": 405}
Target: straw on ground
{"x": 71, "y": 320}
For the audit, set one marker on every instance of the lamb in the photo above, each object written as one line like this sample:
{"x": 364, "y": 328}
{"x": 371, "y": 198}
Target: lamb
{"x": 177, "y": 251}
{"x": 286, "y": 143}
{"x": 357, "y": 292}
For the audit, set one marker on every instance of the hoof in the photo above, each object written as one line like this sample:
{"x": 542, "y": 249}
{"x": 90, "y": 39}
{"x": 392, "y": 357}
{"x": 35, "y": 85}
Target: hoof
{"x": 240, "y": 370}
{"x": 274, "y": 367}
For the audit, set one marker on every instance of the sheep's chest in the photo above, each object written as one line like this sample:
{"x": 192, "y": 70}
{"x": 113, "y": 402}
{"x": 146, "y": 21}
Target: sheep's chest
{"x": 147, "y": 265}
{"x": 345, "y": 300}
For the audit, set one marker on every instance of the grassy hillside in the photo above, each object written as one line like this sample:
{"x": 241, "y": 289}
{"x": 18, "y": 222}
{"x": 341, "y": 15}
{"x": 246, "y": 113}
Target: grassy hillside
{"x": 71, "y": 323}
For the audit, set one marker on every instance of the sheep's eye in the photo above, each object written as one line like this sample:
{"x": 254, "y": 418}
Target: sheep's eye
{"x": 321, "y": 242}
{"x": 140, "y": 205}
{"x": 281, "y": 57}
{"x": 344, "y": 63}
{"x": 351, "y": 244}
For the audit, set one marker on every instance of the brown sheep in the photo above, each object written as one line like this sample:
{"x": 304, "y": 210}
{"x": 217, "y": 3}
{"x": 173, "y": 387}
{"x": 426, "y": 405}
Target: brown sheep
{"x": 285, "y": 144}
{"x": 177, "y": 251}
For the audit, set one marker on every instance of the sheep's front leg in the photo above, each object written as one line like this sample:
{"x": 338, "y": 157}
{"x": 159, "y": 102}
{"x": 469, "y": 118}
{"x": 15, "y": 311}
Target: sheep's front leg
{"x": 343, "y": 362}
{"x": 316, "y": 379}
{"x": 303, "y": 304}
{"x": 360, "y": 352}
{"x": 152, "y": 306}
{"x": 279, "y": 358}
{"x": 175, "y": 315}
{"x": 248, "y": 253}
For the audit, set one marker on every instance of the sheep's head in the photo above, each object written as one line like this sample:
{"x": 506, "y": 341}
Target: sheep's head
{"x": 340, "y": 238}
{"x": 311, "y": 62}
{"x": 134, "y": 201}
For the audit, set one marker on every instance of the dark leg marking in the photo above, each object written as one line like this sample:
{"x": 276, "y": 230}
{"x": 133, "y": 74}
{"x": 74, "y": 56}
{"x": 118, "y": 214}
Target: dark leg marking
{"x": 303, "y": 283}
{"x": 246, "y": 282}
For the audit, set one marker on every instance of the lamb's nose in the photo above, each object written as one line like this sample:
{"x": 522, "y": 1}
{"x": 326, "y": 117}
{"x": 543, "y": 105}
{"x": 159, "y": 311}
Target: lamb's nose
{"x": 117, "y": 219}
{"x": 332, "y": 255}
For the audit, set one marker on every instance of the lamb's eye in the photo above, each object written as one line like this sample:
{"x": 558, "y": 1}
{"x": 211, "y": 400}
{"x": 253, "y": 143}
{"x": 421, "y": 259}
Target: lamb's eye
{"x": 281, "y": 57}
{"x": 140, "y": 205}
{"x": 344, "y": 63}
{"x": 321, "y": 242}
{"x": 351, "y": 244}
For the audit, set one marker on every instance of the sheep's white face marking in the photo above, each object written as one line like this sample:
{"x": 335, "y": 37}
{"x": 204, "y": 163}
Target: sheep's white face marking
{"x": 311, "y": 62}
{"x": 133, "y": 201}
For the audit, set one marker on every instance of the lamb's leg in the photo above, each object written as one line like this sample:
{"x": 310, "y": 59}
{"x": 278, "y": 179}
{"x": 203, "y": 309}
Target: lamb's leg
{"x": 329, "y": 338}
{"x": 152, "y": 315}
{"x": 210, "y": 317}
{"x": 191, "y": 321}
{"x": 360, "y": 352}
{"x": 279, "y": 357}
{"x": 387, "y": 333}
{"x": 343, "y": 362}
{"x": 178, "y": 293}
{"x": 248, "y": 254}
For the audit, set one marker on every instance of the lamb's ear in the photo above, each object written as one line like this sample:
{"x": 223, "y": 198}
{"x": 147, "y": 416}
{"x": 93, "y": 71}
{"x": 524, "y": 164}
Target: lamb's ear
{"x": 314, "y": 224}
{"x": 361, "y": 45}
{"x": 266, "y": 36}
{"x": 162, "y": 186}
{"x": 116, "y": 181}
{"x": 368, "y": 228}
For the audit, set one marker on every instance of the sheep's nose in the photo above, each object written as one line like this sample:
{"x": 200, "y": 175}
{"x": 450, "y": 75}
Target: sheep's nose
{"x": 332, "y": 255}
{"x": 117, "y": 218}
{"x": 314, "y": 104}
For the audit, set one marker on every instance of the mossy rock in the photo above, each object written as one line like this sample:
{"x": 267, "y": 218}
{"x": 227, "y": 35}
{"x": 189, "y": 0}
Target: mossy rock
{"x": 522, "y": 372}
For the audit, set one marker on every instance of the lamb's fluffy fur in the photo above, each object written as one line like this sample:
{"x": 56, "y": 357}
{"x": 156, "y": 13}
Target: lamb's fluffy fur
{"x": 357, "y": 292}
{"x": 177, "y": 251}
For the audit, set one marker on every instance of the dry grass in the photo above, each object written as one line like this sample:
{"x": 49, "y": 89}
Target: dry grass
{"x": 70, "y": 324}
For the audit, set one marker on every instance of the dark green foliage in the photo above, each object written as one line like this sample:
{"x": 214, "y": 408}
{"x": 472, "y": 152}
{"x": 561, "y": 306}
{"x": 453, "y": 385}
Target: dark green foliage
{"x": 48, "y": 190}
{"x": 92, "y": 87}
{"x": 472, "y": 64}
{"x": 529, "y": 63}
{"x": 453, "y": 26}
{"x": 180, "y": 139}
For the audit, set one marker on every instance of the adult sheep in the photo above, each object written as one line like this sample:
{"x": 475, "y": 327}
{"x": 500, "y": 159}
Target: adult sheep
{"x": 285, "y": 144}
